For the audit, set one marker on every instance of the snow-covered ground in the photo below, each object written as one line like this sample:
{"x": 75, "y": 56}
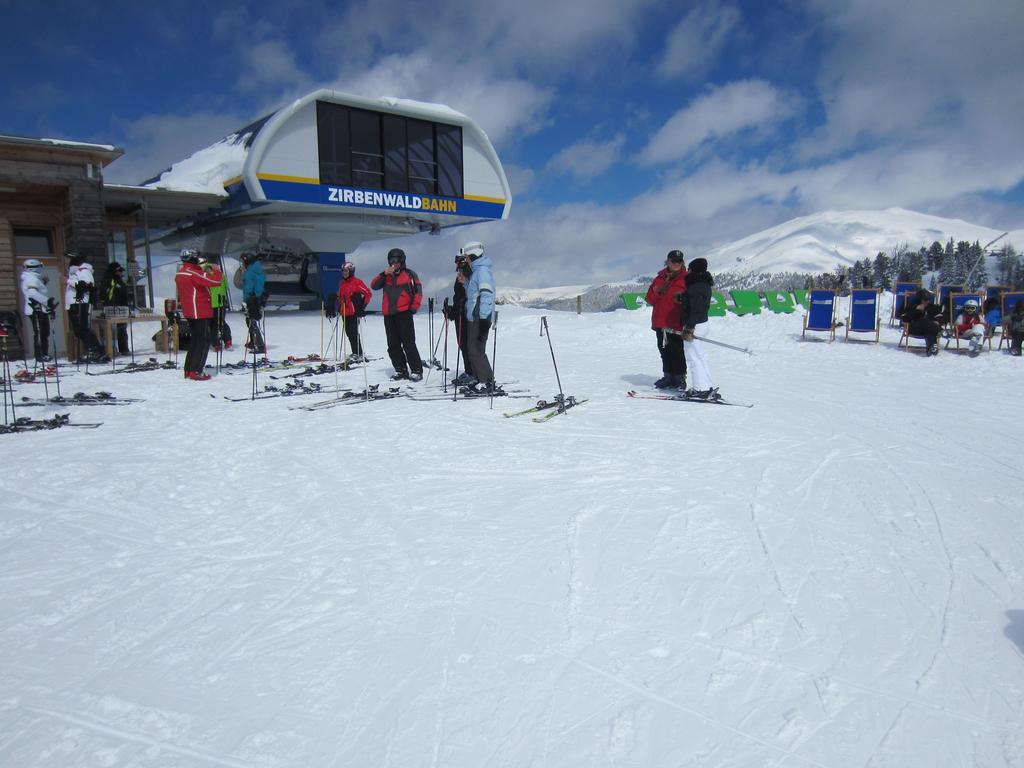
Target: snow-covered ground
{"x": 831, "y": 578}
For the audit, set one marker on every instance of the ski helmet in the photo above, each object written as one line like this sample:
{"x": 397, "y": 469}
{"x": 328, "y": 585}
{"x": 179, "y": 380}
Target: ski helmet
{"x": 349, "y": 267}
{"x": 472, "y": 251}
{"x": 970, "y": 304}
{"x": 75, "y": 259}
{"x": 190, "y": 255}
{"x": 34, "y": 264}
{"x": 396, "y": 256}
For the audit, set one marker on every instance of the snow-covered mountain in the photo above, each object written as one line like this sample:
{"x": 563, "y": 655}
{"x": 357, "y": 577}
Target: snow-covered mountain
{"x": 819, "y": 242}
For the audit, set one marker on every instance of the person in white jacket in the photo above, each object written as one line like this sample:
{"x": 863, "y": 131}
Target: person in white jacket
{"x": 38, "y": 307}
{"x": 78, "y": 299}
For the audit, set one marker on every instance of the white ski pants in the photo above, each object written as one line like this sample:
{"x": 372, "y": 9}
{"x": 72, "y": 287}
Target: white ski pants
{"x": 696, "y": 364}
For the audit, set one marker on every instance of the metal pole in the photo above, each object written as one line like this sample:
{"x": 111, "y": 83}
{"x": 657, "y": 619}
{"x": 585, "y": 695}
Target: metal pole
{"x": 149, "y": 256}
{"x": 967, "y": 279}
{"x": 545, "y": 330}
{"x": 494, "y": 361}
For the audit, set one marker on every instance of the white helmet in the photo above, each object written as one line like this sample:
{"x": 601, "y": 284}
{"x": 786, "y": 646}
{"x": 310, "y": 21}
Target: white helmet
{"x": 473, "y": 250}
{"x": 971, "y": 304}
{"x": 34, "y": 264}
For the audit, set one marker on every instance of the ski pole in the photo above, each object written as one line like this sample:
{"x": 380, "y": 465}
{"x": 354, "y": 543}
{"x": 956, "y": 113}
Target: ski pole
{"x": 444, "y": 372}
{"x": 56, "y": 362}
{"x": 544, "y": 329}
{"x": 458, "y": 354}
{"x": 723, "y": 344}
{"x": 494, "y": 361}
{"x": 9, "y": 383}
{"x": 430, "y": 328}
{"x": 433, "y": 356}
{"x": 362, "y": 347}
{"x": 321, "y": 329}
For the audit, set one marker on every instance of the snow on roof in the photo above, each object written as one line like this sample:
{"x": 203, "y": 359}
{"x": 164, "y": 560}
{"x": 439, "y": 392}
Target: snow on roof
{"x": 207, "y": 169}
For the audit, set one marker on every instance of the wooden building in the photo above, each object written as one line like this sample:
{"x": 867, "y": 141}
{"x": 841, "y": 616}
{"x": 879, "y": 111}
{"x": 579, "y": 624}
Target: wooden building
{"x": 53, "y": 200}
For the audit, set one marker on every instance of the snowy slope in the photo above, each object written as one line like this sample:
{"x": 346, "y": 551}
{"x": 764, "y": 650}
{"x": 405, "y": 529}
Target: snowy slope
{"x": 817, "y": 243}
{"x": 832, "y": 578}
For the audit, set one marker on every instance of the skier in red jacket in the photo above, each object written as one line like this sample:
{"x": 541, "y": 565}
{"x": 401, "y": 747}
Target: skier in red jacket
{"x": 194, "y": 283}
{"x": 666, "y": 297}
{"x": 402, "y": 295}
{"x": 353, "y": 296}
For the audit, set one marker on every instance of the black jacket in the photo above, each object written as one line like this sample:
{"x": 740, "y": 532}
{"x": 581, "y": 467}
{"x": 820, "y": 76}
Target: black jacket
{"x": 697, "y": 299}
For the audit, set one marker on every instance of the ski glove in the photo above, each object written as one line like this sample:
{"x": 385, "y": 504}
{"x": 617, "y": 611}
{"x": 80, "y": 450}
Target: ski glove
{"x": 331, "y": 306}
{"x": 687, "y": 334}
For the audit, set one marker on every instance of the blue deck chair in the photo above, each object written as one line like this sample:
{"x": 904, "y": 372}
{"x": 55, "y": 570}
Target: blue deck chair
{"x": 780, "y": 302}
{"x": 900, "y": 291}
{"x": 718, "y": 306}
{"x": 800, "y": 296}
{"x": 822, "y": 313}
{"x": 956, "y": 306}
{"x": 746, "y": 302}
{"x": 1009, "y": 299}
{"x": 942, "y": 298}
{"x": 995, "y": 291}
{"x": 863, "y": 316}
{"x": 632, "y": 300}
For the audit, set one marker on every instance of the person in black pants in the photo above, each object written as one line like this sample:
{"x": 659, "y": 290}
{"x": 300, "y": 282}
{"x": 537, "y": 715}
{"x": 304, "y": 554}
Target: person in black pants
{"x": 78, "y": 296}
{"x": 923, "y": 318}
{"x": 456, "y": 314}
{"x": 402, "y": 294}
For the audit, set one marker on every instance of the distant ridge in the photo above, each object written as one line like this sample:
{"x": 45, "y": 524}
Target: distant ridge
{"x": 817, "y": 243}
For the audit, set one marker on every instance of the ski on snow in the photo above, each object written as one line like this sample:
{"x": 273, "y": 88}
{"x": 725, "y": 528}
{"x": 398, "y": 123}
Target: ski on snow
{"x": 542, "y": 405}
{"x": 81, "y": 398}
{"x": 683, "y": 399}
{"x": 348, "y": 397}
{"x": 559, "y": 407}
{"x": 25, "y": 424}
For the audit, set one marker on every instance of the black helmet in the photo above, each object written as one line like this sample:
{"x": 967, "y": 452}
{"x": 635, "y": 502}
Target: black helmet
{"x": 190, "y": 255}
{"x": 75, "y": 259}
{"x": 349, "y": 267}
{"x": 396, "y": 256}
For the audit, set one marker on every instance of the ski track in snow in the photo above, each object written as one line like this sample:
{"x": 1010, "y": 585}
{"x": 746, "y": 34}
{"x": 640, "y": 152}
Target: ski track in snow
{"x": 824, "y": 579}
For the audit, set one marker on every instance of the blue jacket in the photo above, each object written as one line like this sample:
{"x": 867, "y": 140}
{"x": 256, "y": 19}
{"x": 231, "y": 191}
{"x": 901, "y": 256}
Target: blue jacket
{"x": 480, "y": 291}
{"x": 255, "y": 281}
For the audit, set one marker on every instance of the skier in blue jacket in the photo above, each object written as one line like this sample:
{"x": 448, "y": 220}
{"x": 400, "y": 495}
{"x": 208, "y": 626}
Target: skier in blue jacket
{"x": 254, "y": 285}
{"x": 480, "y": 291}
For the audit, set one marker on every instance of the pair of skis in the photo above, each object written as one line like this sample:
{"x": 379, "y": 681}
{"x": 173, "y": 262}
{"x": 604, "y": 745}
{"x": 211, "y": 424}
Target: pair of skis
{"x": 548, "y": 409}
{"x": 25, "y": 424}
{"x": 684, "y": 399}
{"x": 81, "y": 398}
{"x": 348, "y": 397}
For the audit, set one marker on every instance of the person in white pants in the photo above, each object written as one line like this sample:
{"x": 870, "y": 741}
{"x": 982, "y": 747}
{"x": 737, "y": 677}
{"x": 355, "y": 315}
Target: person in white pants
{"x": 696, "y": 302}
{"x": 971, "y": 326}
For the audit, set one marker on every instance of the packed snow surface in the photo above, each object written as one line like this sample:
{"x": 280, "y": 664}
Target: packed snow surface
{"x": 830, "y": 578}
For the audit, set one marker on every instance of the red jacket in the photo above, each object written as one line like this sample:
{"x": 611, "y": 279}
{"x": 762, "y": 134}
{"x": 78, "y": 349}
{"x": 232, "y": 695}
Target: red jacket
{"x": 347, "y": 288}
{"x": 194, "y": 290}
{"x": 668, "y": 312}
{"x": 967, "y": 321}
{"x": 403, "y": 291}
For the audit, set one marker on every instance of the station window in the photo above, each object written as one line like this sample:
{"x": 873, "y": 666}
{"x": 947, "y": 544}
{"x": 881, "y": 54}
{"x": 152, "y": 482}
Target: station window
{"x": 379, "y": 151}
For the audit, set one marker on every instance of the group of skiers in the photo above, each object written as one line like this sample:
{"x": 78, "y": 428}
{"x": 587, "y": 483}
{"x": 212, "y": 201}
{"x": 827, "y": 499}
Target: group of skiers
{"x": 198, "y": 282}
{"x": 926, "y": 319}
{"x": 79, "y": 293}
{"x": 680, "y": 298}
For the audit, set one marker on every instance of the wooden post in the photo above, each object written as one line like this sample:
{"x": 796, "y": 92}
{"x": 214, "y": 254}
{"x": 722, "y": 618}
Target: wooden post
{"x": 579, "y": 305}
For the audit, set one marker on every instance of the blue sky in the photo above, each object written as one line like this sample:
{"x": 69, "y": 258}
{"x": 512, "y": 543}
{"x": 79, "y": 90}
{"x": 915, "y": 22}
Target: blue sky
{"x": 626, "y": 128}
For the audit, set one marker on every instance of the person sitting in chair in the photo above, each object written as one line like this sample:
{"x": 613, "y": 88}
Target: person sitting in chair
{"x": 969, "y": 325}
{"x": 924, "y": 319}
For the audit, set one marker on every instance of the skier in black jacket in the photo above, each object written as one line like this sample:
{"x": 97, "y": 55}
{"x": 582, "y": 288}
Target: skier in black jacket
{"x": 457, "y": 311}
{"x": 696, "y": 301}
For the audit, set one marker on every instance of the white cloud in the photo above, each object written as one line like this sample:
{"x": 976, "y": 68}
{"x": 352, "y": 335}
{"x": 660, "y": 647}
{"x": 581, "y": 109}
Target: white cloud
{"x": 693, "y": 44}
{"x": 587, "y": 159}
{"x": 717, "y": 114}
{"x": 269, "y": 63}
{"x": 504, "y": 107}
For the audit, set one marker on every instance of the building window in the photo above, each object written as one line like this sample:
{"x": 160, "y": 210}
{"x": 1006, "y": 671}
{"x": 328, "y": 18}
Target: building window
{"x": 333, "y": 143}
{"x": 34, "y": 242}
{"x": 372, "y": 150}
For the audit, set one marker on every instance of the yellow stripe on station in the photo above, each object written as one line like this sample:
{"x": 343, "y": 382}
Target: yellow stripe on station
{"x": 294, "y": 179}
{"x": 485, "y": 199}
{"x": 229, "y": 182}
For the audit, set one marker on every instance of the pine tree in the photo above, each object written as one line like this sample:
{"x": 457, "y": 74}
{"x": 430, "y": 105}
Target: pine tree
{"x": 935, "y": 254}
{"x": 977, "y": 268}
{"x": 881, "y": 272}
{"x": 947, "y": 269}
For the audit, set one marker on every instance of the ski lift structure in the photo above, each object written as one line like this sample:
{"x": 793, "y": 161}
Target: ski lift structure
{"x": 304, "y": 186}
